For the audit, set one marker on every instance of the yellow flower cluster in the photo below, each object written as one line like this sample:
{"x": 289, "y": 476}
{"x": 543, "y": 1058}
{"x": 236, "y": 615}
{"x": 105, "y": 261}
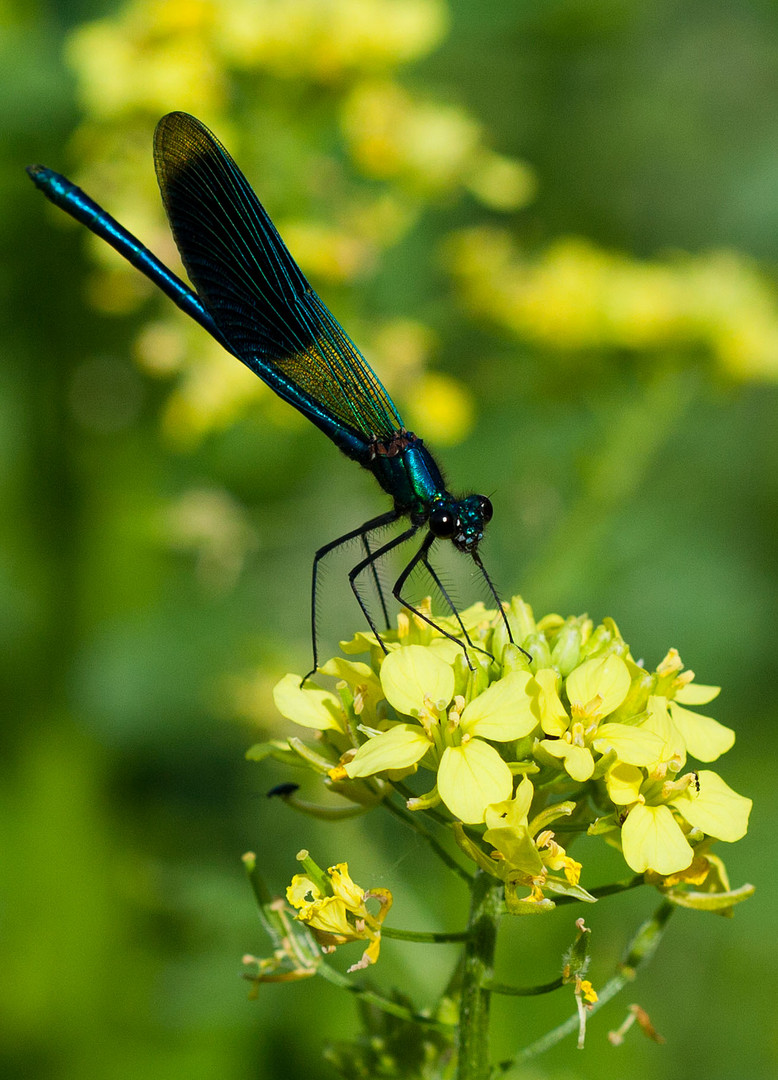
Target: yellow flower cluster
{"x": 604, "y": 739}
{"x": 335, "y": 908}
{"x": 329, "y": 40}
{"x": 429, "y": 147}
{"x": 576, "y": 296}
{"x": 154, "y": 52}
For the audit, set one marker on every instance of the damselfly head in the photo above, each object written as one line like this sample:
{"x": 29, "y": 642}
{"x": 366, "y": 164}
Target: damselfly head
{"x": 461, "y": 521}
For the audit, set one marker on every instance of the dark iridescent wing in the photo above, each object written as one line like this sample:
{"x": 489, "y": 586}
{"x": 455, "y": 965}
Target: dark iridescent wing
{"x": 253, "y": 288}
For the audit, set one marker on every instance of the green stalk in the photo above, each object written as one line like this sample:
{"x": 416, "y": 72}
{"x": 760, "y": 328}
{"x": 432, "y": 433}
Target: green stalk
{"x": 425, "y": 936}
{"x": 476, "y": 974}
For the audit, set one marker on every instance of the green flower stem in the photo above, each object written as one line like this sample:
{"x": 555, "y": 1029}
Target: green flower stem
{"x": 428, "y": 938}
{"x": 526, "y": 991}
{"x": 324, "y": 813}
{"x": 370, "y": 997}
{"x": 476, "y": 974}
{"x": 415, "y": 823}
{"x": 299, "y": 946}
{"x": 641, "y": 949}
{"x": 261, "y": 893}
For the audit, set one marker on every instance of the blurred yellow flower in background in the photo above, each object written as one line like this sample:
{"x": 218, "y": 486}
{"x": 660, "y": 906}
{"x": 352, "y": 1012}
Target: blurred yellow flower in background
{"x": 576, "y": 296}
{"x": 148, "y": 55}
{"x": 329, "y": 40}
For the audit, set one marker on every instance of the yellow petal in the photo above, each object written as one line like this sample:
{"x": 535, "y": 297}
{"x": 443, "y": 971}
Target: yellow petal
{"x": 517, "y": 849}
{"x": 413, "y": 673}
{"x": 553, "y": 715}
{"x": 302, "y": 891}
{"x": 445, "y": 649}
{"x": 716, "y": 808}
{"x": 504, "y": 711}
{"x": 472, "y": 618}
{"x": 511, "y": 812}
{"x": 351, "y": 671}
{"x": 697, "y": 694}
{"x": 310, "y": 707}
{"x": 331, "y": 916}
{"x": 345, "y": 888}
{"x": 607, "y": 678}
{"x": 623, "y": 783}
{"x": 401, "y": 746}
{"x": 370, "y": 955}
{"x": 472, "y": 776}
{"x": 362, "y": 642}
{"x": 706, "y": 739}
{"x": 359, "y": 677}
{"x": 588, "y": 992}
{"x": 658, "y": 721}
{"x": 652, "y": 839}
{"x": 633, "y": 745}
{"x": 578, "y": 760}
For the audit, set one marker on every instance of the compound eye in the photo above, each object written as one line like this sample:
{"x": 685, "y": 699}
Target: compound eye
{"x": 442, "y": 523}
{"x": 486, "y": 509}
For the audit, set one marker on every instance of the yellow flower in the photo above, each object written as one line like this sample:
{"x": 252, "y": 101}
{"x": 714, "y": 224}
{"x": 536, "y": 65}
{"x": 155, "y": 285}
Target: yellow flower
{"x": 335, "y": 909}
{"x": 595, "y": 688}
{"x": 654, "y": 835}
{"x": 391, "y": 134}
{"x": 575, "y": 295}
{"x": 587, "y": 991}
{"x": 327, "y": 40}
{"x": 454, "y": 737}
{"x": 525, "y": 850}
{"x": 580, "y": 710}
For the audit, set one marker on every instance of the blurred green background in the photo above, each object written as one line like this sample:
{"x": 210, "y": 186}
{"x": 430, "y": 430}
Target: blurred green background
{"x": 553, "y": 227}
